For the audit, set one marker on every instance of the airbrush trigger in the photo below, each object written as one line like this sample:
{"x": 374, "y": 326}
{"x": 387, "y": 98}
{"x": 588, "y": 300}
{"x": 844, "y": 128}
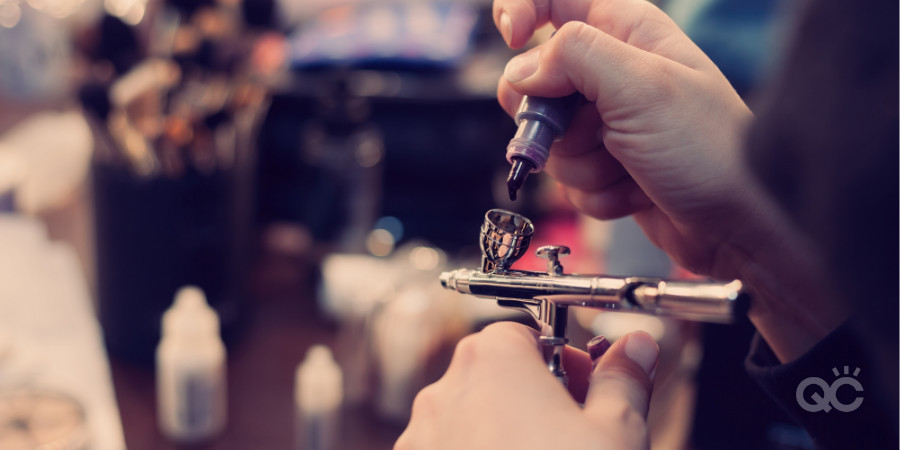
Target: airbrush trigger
{"x": 552, "y": 254}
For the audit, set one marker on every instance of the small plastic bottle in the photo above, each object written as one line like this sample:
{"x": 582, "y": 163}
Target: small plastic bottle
{"x": 190, "y": 370}
{"x": 318, "y": 395}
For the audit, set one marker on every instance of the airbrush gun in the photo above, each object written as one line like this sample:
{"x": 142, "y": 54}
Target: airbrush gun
{"x": 541, "y": 121}
{"x": 546, "y": 296}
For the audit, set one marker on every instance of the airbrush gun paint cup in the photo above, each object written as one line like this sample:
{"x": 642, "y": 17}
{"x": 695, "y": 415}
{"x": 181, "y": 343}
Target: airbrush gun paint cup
{"x": 541, "y": 121}
{"x": 505, "y": 237}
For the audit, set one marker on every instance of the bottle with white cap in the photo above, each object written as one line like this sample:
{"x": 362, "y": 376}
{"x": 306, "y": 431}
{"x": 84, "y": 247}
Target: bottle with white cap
{"x": 318, "y": 394}
{"x": 190, "y": 370}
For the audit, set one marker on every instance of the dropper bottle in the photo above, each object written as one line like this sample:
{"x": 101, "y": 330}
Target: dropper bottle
{"x": 541, "y": 121}
{"x": 190, "y": 370}
{"x": 318, "y": 396}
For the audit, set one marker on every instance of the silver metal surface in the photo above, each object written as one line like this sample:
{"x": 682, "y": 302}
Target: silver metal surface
{"x": 598, "y": 292}
{"x": 505, "y": 237}
{"x": 701, "y": 301}
{"x": 546, "y": 296}
{"x": 552, "y": 253}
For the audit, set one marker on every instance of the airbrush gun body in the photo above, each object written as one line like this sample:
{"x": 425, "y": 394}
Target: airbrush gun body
{"x": 546, "y": 296}
{"x": 541, "y": 121}
{"x": 707, "y": 302}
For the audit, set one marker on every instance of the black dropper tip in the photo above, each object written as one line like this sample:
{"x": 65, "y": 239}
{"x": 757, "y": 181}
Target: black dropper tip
{"x": 517, "y": 175}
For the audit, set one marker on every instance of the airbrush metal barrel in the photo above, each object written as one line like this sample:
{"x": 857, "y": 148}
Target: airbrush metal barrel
{"x": 708, "y": 302}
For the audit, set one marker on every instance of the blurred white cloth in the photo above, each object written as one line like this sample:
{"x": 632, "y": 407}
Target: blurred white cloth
{"x": 49, "y": 335}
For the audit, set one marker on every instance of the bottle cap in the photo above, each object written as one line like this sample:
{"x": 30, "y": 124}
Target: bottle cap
{"x": 190, "y": 316}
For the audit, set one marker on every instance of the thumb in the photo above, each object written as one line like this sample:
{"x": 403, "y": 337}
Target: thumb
{"x": 583, "y": 58}
{"x": 623, "y": 380}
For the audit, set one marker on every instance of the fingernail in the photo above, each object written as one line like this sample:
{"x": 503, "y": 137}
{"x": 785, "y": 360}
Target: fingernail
{"x": 506, "y": 28}
{"x": 597, "y": 346}
{"x": 642, "y": 349}
{"x": 521, "y": 67}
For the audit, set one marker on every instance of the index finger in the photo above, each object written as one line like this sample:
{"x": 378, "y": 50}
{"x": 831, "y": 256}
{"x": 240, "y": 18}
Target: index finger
{"x": 500, "y": 346}
{"x": 525, "y": 16}
{"x": 503, "y": 348}
{"x": 639, "y": 23}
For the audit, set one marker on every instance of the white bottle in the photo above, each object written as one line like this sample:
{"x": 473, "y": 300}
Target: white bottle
{"x": 190, "y": 370}
{"x": 318, "y": 394}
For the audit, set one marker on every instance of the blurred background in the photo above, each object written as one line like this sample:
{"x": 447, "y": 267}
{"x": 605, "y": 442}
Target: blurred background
{"x": 311, "y": 166}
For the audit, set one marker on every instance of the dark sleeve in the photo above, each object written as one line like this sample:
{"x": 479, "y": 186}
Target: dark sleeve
{"x": 832, "y": 391}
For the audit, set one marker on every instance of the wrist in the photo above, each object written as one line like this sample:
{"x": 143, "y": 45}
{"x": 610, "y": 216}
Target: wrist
{"x": 792, "y": 306}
